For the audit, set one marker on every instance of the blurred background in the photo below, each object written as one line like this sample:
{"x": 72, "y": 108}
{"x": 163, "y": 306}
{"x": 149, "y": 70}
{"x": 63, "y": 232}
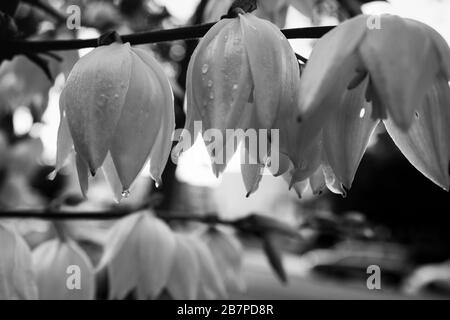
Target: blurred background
{"x": 393, "y": 217}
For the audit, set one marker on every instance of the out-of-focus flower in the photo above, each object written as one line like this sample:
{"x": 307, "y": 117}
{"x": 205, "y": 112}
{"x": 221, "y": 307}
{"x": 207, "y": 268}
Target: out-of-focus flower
{"x": 139, "y": 255}
{"x": 184, "y": 279}
{"x": 242, "y": 75}
{"x": 357, "y": 75}
{"x": 211, "y": 284}
{"x": 228, "y": 254}
{"x": 117, "y": 111}
{"x": 53, "y": 262}
{"x": 16, "y": 276}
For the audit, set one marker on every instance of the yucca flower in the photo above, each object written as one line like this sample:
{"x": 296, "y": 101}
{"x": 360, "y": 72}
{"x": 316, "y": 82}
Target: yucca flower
{"x": 357, "y": 75}
{"x": 242, "y": 74}
{"x": 138, "y": 256}
{"x": 52, "y": 260}
{"x": 117, "y": 111}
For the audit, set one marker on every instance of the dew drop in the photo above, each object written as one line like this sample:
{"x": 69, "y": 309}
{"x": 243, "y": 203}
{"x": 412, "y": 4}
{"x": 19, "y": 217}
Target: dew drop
{"x": 211, "y": 95}
{"x": 125, "y": 193}
{"x": 205, "y": 68}
{"x": 210, "y": 83}
{"x": 235, "y": 86}
{"x": 362, "y": 112}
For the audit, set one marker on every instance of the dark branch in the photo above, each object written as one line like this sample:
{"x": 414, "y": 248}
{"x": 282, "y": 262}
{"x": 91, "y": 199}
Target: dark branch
{"x": 184, "y": 33}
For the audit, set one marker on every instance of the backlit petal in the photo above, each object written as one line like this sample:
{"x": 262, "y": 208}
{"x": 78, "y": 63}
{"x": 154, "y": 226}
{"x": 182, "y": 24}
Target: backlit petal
{"x": 427, "y": 143}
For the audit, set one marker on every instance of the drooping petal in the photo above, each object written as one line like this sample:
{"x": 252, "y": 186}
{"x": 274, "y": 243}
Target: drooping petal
{"x": 333, "y": 183}
{"x": 64, "y": 143}
{"x": 93, "y": 98}
{"x": 307, "y": 161}
{"x": 347, "y": 133}
{"x": 251, "y": 169}
{"x": 426, "y": 144}
{"x": 228, "y": 254}
{"x": 402, "y": 64}
{"x": 83, "y": 174}
{"x": 139, "y": 123}
{"x": 440, "y": 45}
{"x": 163, "y": 144}
{"x": 211, "y": 283}
{"x": 317, "y": 181}
{"x": 110, "y": 172}
{"x": 157, "y": 252}
{"x": 267, "y": 64}
{"x": 324, "y": 69}
{"x": 17, "y": 279}
{"x": 121, "y": 258}
{"x": 185, "y": 272}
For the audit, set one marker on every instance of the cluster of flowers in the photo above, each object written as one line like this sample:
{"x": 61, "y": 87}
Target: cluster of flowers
{"x": 117, "y": 105}
{"x": 142, "y": 256}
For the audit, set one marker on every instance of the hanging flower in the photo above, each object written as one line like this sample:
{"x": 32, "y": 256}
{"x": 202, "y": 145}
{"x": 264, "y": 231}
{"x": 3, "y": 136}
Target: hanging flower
{"x": 53, "y": 261}
{"x": 117, "y": 111}
{"x": 357, "y": 75}
{"x": 138, "y": 256}
{"x": 242, "y": 75}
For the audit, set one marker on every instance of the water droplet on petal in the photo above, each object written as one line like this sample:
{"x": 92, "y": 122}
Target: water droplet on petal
{"x": 125, "y": 193}
{"x": 205, "y": 68}
{"x": 362, "y": 113}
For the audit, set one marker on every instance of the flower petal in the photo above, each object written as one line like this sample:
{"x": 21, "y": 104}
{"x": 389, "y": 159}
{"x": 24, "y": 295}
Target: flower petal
{"x": 157, "y": 252}
{"x": 426, "y": 144}
{"x": 93, "y": 98}
{"x": 228, "y": 254}
{"x": 211, "y": 282}
{"x": 83, "y": 174}
{"x": 139, "y": 124}
{"x": 267, "y": 65}
{"x": 441, "y": 46}
{"x": 184, "y": 276}
{"x": 251, "y": 169}
{"x": 163, "y": 144}
{"x": 346, "y": 135}
{"x": 110, "y": 172}
{"x": 326, "y": 63}
{"x": 64, "y": 143}
{"x": 402, "y": 64}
